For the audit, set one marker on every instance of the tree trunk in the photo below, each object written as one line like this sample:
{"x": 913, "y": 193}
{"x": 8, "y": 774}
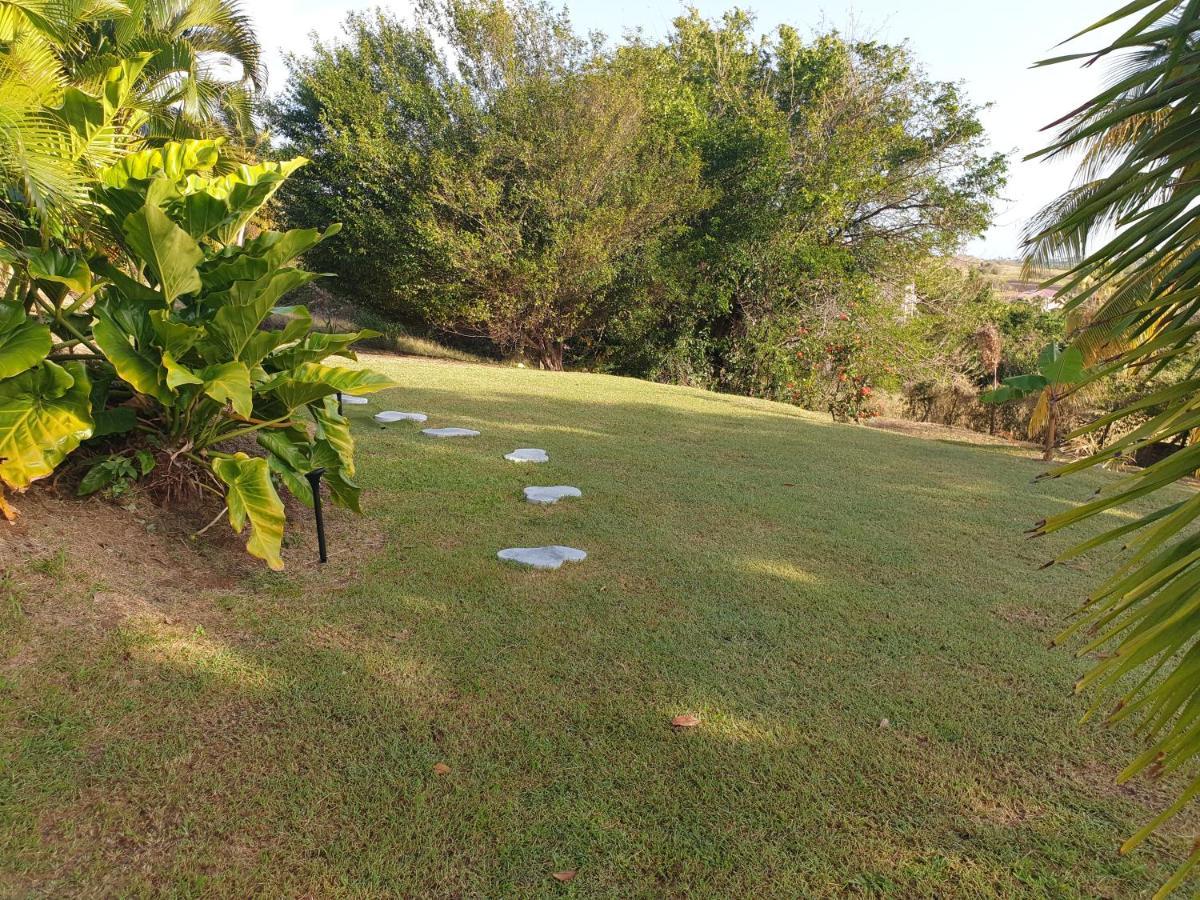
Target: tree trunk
{"x": 551, "y": 356}
{"x": 1051, "y": 427}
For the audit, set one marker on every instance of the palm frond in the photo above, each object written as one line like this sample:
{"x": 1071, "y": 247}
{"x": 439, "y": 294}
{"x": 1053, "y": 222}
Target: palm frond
{"x": 1139, "y": 143}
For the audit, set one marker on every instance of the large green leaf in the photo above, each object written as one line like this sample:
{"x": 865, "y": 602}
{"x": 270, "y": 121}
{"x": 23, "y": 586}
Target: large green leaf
{"x": 335, "y": 429}
{"x": 317, "y": 346}
{"x": 177, "y": 374}
{"x": 263, "y": 343}
{"x": 201, "y": 214}
{"x": 174, "y": 161}
{"x": 311, "y": 382}
{"x": 140, "y": 366}
{"x": 130, "y": 288}
{"x": 280, "y": 248}
{"x": 289, "y": 457}
{"x": 1061, "y": 366}
{"x": 45, "y": 413}
{"x": 66, "y": 268}
{"x": 240, "y": 313}
{"x": 220, "y": 273}
{"x": 167, "y": 250}
{"x": 23, "y": 342}
{"x": 174, "y": 337}
{"x": 251, "y": 496}
{"x": 229, "y": 383}
{"x": 342, "y": 488}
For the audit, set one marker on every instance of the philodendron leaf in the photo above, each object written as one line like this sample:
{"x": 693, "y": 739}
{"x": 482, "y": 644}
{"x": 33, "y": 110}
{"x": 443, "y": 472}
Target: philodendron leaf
{"x": 251, "y": 496}
{"x": 317, "y": 346}
{"x": 45, "y": 413}
{"x": 168, "y": 251}
{"x": 288, "y": 456}
{"x": 280, "y": 248}
{"x": 174, "y": 161}
{"x": 23, "y": 342}
{"x": 335, "y": 429}
{"x": 176, "y": 338}
{"x": 241, "y": 312}
{"x": 69, "y": 269}
{"x": 229, "y": 383}
{"x": 344, "y": 491}
{"x": 1061, "y": 366}
{"x": 178, "y": 374}
{"x": 310, "y": 382}
{"x": 141, "y": 368}
{"x": 117, "y": 420}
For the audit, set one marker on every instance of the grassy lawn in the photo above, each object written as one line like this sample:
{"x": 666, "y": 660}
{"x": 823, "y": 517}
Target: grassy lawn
{"x": 791, "y": 582}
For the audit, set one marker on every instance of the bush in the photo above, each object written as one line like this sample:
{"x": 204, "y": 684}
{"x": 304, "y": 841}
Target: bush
{"x": 182, "y": 367}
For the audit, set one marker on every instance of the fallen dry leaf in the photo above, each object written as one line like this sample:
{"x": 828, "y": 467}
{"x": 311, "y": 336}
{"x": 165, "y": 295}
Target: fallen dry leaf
{"x": 563, "y": 876}
{"x": 885, "y": 723}
{"x": 441, "y": 769}
{"x": 685, "y": 721}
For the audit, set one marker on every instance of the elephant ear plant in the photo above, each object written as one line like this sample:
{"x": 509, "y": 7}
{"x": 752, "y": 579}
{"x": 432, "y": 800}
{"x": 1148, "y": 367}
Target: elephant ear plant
{"x": 183, "y": 366}
{"x": 185, "y": 333}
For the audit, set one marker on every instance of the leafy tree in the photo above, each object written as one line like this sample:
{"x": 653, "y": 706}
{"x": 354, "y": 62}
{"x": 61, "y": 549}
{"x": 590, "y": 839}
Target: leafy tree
{"x": 373, "y": 114}
{"x": 674, "y": 209}
{"x": 530, "y": 171}
{"x": 1138, "y": 174}
{"x": 831, "y": 168}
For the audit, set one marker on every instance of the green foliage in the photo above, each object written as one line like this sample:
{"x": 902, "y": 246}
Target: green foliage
{"x": 45, "y": 413}
{"x": 1056, "y": 367}
{"x": 187, "y": 336}
{"x": 171, "y": 356}
{"x": 116, "y": 473}
{"x": 671, "y": 210}
{"x": 1140, "y": 160}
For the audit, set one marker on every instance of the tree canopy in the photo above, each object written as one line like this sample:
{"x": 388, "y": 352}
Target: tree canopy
{"x": 644, "y": 206}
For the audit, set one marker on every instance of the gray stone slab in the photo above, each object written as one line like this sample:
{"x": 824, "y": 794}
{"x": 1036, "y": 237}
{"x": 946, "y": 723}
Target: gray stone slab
{"x": 449, "y": 432}
{"x": 528, "y": 455}
{"x": 542, "y": 557}
{"x": 388, "y": 416}
{"x": 545, "y": 496}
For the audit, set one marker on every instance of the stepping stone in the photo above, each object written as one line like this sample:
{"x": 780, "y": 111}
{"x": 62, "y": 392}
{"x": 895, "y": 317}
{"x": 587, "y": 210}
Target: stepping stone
{"x": 449, "y": 432}
{"x": 528, "y": 454}
{"x": 351, "y": 400}
{"x": 546, "y": 496}
{"x": 542, "y": 557}
{"x": 387, "y": 417}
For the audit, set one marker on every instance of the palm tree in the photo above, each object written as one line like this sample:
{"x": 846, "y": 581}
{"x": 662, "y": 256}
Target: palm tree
{"x": 191, "y": 68}
{"x": 204, "y": 69}
{"x": 1136, "y": 200}
{"x": 52, "y": 138}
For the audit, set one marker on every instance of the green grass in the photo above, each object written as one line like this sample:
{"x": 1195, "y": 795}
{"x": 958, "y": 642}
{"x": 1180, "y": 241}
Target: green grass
{"x": 791, "y": 582}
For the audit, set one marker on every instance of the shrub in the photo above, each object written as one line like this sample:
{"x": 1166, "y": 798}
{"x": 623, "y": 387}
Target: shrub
{"x": 183, "y": 366}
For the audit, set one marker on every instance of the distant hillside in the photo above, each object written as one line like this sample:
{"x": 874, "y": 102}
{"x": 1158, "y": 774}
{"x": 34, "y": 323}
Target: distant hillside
{"x": 1006, "y": 275}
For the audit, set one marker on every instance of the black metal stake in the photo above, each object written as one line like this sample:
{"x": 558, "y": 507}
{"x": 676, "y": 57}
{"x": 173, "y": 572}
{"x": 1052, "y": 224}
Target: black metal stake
{"x": 339, "y": 393}
{"x": 314, "y": 479}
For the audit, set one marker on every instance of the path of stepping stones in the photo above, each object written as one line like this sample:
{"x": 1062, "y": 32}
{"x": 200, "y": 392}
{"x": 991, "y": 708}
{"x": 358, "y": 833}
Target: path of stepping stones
{"x": 535, "y": 557}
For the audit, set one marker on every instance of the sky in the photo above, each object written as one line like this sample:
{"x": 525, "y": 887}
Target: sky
{"x": 989, "y": 47}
